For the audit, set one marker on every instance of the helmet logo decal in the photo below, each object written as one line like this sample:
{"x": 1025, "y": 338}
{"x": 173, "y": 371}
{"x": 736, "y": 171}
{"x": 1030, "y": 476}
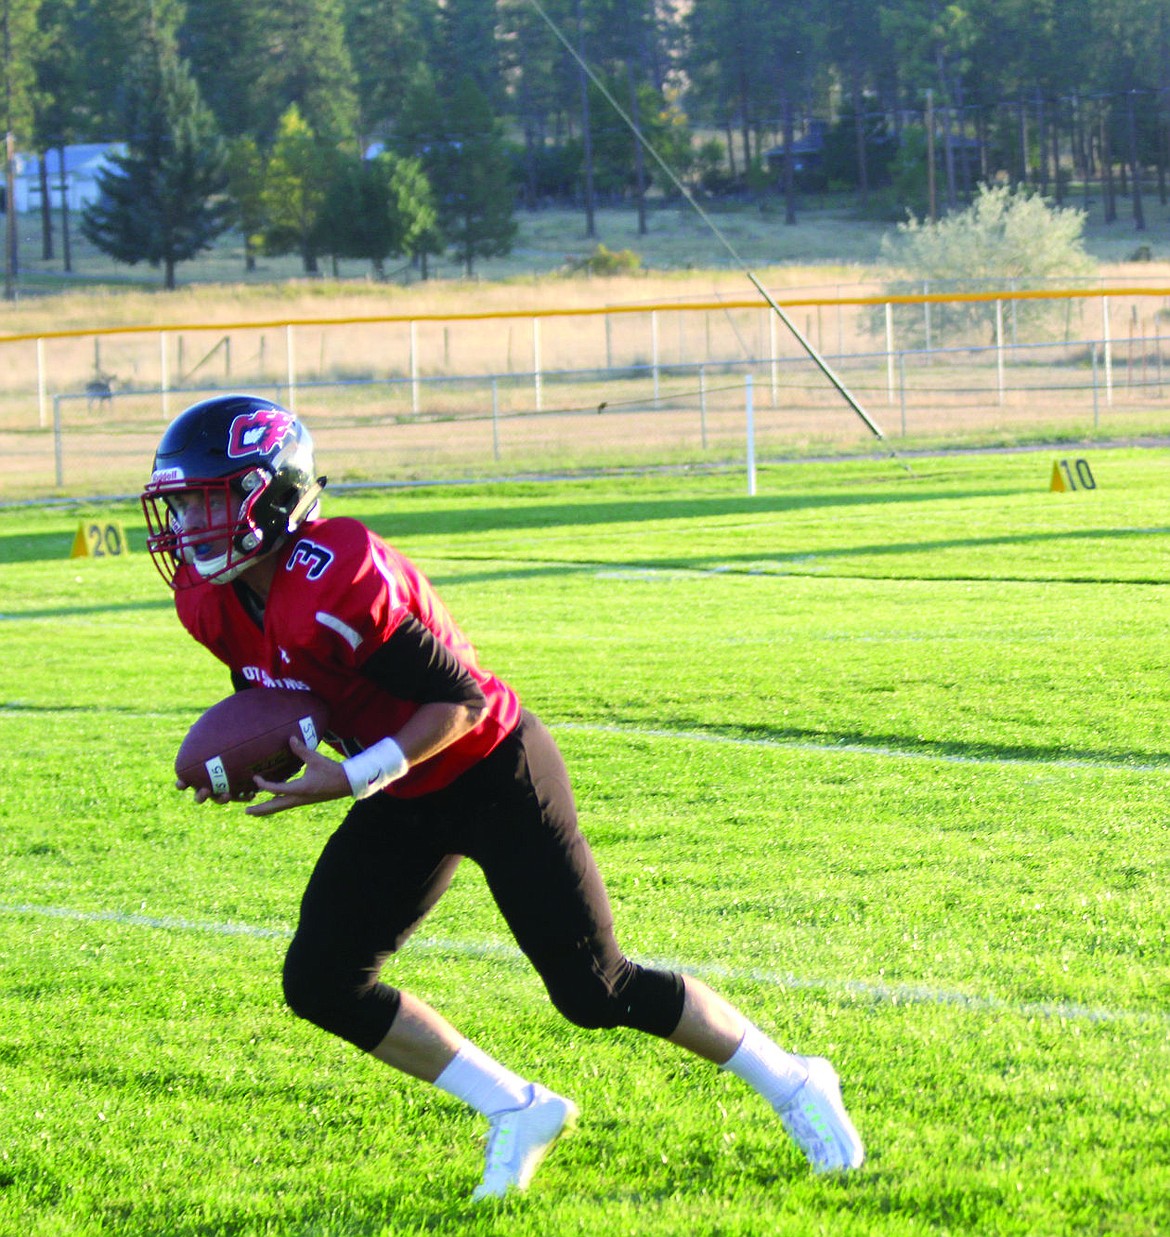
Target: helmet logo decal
{"x": 258, "y": 433}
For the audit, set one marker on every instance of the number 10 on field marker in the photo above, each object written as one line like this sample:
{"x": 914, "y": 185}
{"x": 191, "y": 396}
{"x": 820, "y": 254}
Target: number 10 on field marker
{"x": 1078, "y": 476}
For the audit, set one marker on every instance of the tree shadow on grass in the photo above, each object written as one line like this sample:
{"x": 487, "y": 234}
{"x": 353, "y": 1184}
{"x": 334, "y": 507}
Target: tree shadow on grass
{"x": 424, "y": 522}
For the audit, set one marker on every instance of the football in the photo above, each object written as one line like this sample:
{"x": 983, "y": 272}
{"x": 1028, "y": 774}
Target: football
{"x": 247, "y": 734}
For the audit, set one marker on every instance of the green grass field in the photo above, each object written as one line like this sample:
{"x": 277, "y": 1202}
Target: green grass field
{"x": 882, "y": 753}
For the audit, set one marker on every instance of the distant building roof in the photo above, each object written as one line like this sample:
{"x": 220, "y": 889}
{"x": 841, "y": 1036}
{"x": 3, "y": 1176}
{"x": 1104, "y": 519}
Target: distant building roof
{"x": 82, "y": 157}
{"x": 84, "y": 161}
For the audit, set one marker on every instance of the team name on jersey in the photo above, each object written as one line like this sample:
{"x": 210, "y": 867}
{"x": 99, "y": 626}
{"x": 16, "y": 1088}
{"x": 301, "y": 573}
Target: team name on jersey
{"x": 257, "y": 674}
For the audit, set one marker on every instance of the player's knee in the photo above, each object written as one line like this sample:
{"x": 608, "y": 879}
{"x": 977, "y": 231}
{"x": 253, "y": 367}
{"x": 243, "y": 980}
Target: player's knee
{"x": 632, "y": 996}
{"x": 351, "y": 1004}
{"x": 590, "y": 1006}
{"x": 309, "y": 989}
{"x": 316, "y": 989}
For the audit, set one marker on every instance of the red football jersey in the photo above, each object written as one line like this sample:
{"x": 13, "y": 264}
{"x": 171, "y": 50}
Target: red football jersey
{"x": 338, "y": 597}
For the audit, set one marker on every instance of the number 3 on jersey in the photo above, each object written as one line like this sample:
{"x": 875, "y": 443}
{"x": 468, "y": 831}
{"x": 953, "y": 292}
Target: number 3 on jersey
{"x": 316, "y": 558}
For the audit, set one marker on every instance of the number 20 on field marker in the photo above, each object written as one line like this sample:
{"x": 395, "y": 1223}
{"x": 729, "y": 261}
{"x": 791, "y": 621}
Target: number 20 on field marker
{"x": 99, "y": 539}
{"x": 1078, "y": 476}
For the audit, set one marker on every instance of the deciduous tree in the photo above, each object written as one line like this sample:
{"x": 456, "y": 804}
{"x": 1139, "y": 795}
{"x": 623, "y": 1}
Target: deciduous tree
{"x": 296, "y": 182}
{"x": 245, "y": 192}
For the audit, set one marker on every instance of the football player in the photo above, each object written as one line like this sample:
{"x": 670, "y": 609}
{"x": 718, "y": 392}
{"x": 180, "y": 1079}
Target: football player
{"x": 439, "y": 760}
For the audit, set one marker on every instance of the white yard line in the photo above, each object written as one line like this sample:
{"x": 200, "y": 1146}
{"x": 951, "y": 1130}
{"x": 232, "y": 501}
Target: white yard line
{"x": 853, "y": 749}
{"x": 704, "y": 736}
{"x": 891, "y": 994}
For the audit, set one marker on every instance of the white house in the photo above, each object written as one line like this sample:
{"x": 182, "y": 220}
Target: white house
{"x": 82, "y": 164}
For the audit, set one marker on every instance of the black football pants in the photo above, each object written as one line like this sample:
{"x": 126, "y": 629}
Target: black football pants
{"x": 391, "y": 859}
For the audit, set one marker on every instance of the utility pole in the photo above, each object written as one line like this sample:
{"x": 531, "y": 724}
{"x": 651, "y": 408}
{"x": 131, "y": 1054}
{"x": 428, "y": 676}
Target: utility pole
{"x": 9, "y": 167}
{"x": 930, "y": 188}
{"x": 586, "y": 128}
{"x": 10, "y": 216}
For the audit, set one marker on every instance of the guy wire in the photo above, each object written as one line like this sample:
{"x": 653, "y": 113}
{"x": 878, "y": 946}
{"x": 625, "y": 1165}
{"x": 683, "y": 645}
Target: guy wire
{"x": 806, "y": 344}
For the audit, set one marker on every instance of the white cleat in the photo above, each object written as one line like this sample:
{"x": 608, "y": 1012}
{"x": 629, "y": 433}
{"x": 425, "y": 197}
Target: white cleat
{"x": 816, "y": 1119}
{"x": 519, "y": 1140}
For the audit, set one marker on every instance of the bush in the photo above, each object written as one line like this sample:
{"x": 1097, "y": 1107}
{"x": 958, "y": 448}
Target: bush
{"x": 605, "y": 261}
{"x": 1007, "y": 239}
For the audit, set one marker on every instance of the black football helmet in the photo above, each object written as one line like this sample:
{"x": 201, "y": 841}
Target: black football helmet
{"x": 233, "y": 476}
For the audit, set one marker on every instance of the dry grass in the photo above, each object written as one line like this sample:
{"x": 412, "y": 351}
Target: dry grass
{"x": 831, "y": 251}
{"x": 298, "y": 299}
{"x": 354, "y": 380}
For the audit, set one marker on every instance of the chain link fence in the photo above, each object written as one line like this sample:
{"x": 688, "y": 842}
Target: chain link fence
{"x": 401, "y": 399}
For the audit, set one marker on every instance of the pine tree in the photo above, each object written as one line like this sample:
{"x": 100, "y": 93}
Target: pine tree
{"x": 480, "y": 196}
{"x": 387, "y": 42}
{"x": 161, "y": 202}
{"x": 377, "y": 209}
{"x": 468, "y": 47}
{"x": 18, "y": 32}
{"x": 222, "y": 42}
{"x": 59, "y": 104}
{"x": 304, "y": 61}
{"x": 18, "y": 41}
{"x": 107, "y": 36}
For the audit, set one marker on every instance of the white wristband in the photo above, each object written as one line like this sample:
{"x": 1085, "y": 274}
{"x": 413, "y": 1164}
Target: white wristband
{"x": 374, "y": 768}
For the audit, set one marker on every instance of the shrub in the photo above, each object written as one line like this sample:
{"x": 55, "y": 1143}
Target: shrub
{"x": 605, "y": 261}
{"x": 1007, "y": 239}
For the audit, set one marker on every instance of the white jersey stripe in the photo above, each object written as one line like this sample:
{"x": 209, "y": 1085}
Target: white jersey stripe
{"x": 344, "y": 630}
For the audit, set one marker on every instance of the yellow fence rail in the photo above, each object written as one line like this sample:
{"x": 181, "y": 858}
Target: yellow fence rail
{"x": 409, "y": 395}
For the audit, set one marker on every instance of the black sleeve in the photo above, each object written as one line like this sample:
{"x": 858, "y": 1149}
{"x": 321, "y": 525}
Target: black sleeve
{"x": 239, "y": 683}
{"x": 414, "y": 665}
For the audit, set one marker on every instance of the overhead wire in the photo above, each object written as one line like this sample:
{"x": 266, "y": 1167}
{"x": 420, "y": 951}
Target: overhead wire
{"x": 716, "y": 231}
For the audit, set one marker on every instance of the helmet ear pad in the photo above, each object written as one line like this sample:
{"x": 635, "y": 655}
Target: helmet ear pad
{"x": 253, "y": 461}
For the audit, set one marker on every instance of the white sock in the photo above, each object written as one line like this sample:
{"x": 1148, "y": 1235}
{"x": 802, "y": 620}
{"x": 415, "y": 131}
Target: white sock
{"x": 766, "y": 1068}
{"x": 478, "y": 1080}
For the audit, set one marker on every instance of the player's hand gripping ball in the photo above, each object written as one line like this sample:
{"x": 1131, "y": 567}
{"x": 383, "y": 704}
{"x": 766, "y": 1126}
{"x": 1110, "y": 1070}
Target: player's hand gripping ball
{"x": 247, "y": 734}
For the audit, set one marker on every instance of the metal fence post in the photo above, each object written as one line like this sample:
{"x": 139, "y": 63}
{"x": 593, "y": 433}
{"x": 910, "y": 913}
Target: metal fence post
{"x": 926, "y": 315}
{"x": 1092, "y": 349}
{"x": 1158, "y": 347}
{"x": 164, "y": 377}
{"x": 772, "y": 348}
{"x": 999, "y": 350}
{"x": 495, "y": 417}
{"x": 41, "y": 418}
{"x": 1108, "y": 349}
{"x": 889, "y": 353}
{"x": 58, "y": 445}
{"x": 290, "y": 356}
{"x": 749, "y": 409}
{"x": 414, "y": 367}
{"x": 703, "y": 406}
{"x": 654, "y": 350}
